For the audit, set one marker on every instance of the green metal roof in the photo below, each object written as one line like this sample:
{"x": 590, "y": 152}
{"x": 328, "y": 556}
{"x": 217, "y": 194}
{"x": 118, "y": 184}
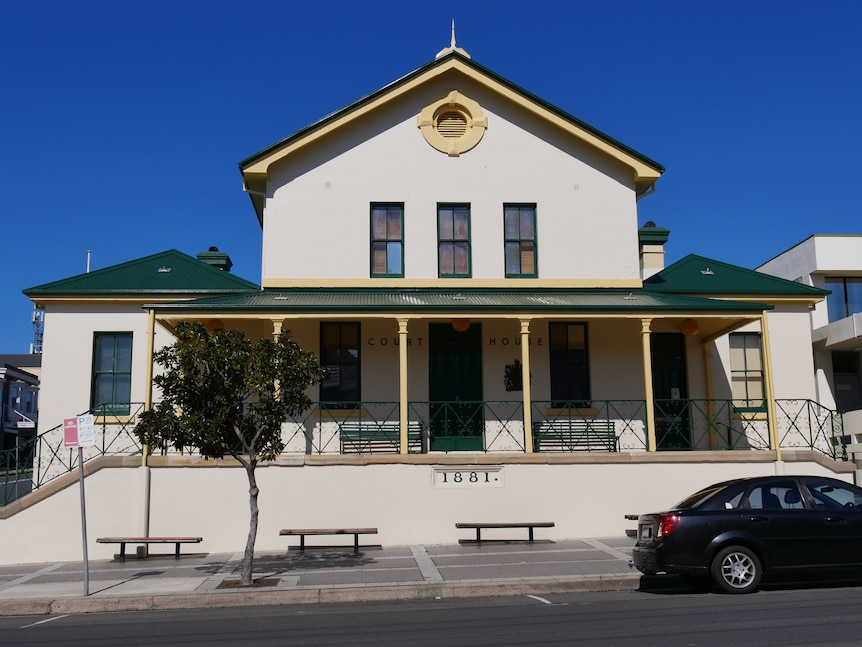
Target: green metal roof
{"x": 708, "y": 277}
{"x": 431, "y": 300}
{"x": 169, "y": 272}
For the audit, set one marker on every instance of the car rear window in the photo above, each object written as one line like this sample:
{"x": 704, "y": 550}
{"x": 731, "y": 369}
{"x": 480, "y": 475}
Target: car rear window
{"x": 698, "y": 498}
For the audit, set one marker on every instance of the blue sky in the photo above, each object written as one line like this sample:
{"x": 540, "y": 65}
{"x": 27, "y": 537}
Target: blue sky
{"x": 123, "y": 122}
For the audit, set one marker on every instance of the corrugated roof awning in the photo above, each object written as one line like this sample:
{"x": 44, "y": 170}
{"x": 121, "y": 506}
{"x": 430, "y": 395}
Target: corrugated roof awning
{"x": 435, "y": 300}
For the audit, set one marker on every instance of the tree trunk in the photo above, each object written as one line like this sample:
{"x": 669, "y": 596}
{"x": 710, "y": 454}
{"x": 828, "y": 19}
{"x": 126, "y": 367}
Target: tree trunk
{"x": 247, "y": 567}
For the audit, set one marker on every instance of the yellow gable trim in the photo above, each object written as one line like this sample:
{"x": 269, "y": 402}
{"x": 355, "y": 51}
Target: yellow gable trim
{"x": 643, "y": 174}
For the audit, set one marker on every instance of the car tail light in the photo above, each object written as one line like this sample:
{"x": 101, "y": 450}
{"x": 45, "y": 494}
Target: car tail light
{"x": 667, "y": 523}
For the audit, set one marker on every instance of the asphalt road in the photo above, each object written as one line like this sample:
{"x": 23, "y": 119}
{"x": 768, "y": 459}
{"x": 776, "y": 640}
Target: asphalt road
{"x": 664, "y": 617}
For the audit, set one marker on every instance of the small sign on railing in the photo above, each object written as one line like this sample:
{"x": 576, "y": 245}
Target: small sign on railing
{"x": 79, "y": 431}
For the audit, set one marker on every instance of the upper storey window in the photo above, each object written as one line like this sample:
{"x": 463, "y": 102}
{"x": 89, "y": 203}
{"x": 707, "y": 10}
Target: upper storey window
{"x": 846, "y": 297}
{"x": 519, "y": 224}
{"x": 453, "y": 236}
{"x": 387, "y": 240}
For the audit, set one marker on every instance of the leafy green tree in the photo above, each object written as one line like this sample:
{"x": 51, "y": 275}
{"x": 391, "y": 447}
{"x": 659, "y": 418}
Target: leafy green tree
{"x": 223, "y": 395}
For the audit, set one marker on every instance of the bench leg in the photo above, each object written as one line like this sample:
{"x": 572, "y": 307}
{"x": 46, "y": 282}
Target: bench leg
{"x": 478, "y": 535}
{"x": 302, "y": 544}
{"x": 177, "y": 553}
{"x": 356, "y": 542}
{"x": 531, "y": 534}
{"x": 122, "y": 551}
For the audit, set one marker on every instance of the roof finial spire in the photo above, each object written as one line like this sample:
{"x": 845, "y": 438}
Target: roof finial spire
{"x": 452, "y": 46}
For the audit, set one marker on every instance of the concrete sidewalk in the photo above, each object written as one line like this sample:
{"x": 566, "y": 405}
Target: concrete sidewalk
{"x": 331, "y": 574}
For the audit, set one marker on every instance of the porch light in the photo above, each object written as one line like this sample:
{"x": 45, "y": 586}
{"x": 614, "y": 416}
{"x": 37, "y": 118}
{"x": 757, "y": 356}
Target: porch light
{"x": 214, "y": 324}
{"x": 689, "y": 327}
{"x": 460, "y": 325}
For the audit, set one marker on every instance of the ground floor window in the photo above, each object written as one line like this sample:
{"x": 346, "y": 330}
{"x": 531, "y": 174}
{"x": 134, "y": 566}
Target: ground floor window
{"x": 339, "y": 357}
{"x": 569, "y": 364}
{"x": 746, "y": 371}
{"x": 111, "y": 390}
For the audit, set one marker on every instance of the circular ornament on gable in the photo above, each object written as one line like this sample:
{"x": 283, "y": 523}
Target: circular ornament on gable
{"x": 453, "y": 125}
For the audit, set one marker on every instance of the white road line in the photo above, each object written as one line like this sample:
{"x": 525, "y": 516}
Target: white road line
{"x": 536, "y": 597}
{"x": 41, "y": 622}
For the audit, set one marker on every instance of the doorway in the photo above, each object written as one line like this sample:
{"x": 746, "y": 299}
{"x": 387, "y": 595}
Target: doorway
{"x": 455, "y": 388}
{"x": 670, "y": 391}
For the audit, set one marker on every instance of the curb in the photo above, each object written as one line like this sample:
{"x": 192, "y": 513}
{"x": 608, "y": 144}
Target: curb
{"x": 489, "y": 588}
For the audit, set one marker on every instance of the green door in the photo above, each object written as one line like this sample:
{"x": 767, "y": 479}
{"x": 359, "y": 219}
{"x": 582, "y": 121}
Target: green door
{"x": 455, "y": 388}
{"x": 670, "y": 393}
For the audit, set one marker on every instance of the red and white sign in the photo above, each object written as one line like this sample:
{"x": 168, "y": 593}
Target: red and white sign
{"x": 79, "y": 431}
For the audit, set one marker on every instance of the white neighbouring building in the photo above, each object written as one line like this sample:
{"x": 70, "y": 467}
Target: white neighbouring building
{"x": 832, "y": 262}
{"x": 501, "y": 339}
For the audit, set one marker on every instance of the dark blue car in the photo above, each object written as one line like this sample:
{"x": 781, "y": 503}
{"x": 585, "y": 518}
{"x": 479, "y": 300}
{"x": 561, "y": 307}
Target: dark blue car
{"x": 738, "y": 532}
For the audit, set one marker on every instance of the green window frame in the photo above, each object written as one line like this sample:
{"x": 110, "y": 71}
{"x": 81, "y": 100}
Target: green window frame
{"x": 453, "y": 241}
{"x": 387, "y": 239}
{"x": 568, "y": 357}
{"x": 519, "y": 232}
{"x": 746, "y": 372}
{"x": 111, "y": 388}
{"x": 341, "y": 362}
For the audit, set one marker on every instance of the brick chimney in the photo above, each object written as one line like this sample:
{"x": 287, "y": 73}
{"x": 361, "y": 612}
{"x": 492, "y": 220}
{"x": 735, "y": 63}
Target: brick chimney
{"x": 652, "y": 239}
{"x": 216, "y": 258}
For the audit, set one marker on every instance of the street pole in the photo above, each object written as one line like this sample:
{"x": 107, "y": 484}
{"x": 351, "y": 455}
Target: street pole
{"x": 84, "y": 522}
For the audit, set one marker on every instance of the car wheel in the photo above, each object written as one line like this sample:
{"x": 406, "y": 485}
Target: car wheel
{"x": 736, "y": 569}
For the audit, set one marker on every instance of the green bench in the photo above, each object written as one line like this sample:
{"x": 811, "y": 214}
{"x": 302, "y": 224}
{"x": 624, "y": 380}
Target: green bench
{"x": 379, "y": 436}
{"x": 575, "y": 435}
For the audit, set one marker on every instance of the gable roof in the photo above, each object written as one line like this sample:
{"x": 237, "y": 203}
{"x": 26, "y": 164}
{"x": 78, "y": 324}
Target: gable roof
{"x": 708, "y": 277}
{"x": 255, "y": 169}
{"x": 166, "y": 273}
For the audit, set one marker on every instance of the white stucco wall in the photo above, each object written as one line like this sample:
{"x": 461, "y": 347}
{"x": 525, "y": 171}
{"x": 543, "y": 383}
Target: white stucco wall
{"x": 317, "y": 220}
{"x": 67, "y": 356}
{"x": 402, "y": 501}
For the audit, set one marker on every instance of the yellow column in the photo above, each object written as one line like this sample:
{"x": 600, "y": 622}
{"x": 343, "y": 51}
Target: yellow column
{"x": 525, "y": 365}
{"x": 402, "y": 383}
{"x": 276, "y": 328}
{"x": 650, "y": 411}
{"x": 768, "y": 391}
{"x": 148, "y": 394}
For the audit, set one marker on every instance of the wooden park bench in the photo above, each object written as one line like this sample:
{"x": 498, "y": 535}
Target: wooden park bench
{"x": 302, "y": 532}
{"x": 379, "y": 436}
{"x": 575, "y": 435}
{"x": 148, "y": 540}
{"x": 519, "y": 524}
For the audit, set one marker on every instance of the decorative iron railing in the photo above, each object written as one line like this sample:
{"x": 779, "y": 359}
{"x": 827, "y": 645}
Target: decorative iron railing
{"x": 482, "y": 426}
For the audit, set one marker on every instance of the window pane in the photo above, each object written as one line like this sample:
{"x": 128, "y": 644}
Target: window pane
{"x": 512, "y": 258}
{"x": 462, "y": 224}
{"x": 340, "y": 360}
{"x": 447, "y": 259}
{"x": 528, "y": 259}
{"x": 854, "y": 296}
{"x": 510, "y": 220}
{"x": 752, "y": 358}
{"x": 393, "y": 253}
{"x": 462, "y": 259}
{"x": 569, "y": 366}
{"x": 445, "y": 223}
{"x": 378, "y": 258}
{"x": 123, "y": 360}
{"x": 122, "y": 388}
{"x": 104, "y": 390}
{"x": 378, "y": 223}
{"x": 104, "y": 359}
{"x": 527, "y": 230}
{"x": 395, "y": 223}
{"x": 836, "y": 303}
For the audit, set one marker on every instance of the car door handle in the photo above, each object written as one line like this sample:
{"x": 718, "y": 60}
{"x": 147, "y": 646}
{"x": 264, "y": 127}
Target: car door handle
{"x": 834, "y": 519}
{"x": 759, "y": 518}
